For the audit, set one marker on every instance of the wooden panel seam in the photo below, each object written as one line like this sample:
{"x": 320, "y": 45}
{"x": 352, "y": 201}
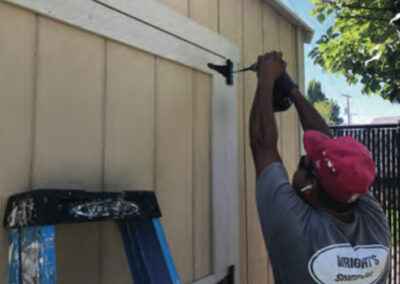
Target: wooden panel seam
{"x": 18, "y": 37}
{"x": 155, "y": 123}
{"x": 34, "y": 102}
{"x": 194, "y": 239}
{"x": 103, "y": 158}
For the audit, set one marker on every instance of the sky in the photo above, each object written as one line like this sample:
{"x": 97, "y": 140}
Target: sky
{"x": 364, "y": 108}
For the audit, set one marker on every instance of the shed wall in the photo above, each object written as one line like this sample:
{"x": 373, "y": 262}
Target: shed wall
{"x": 79, "y": 111}
{"x": 76, "y": 111}
{"x": 255, "y": 27}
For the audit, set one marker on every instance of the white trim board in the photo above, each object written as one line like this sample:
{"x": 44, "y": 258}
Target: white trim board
{"x": 113, "y": 24}
{"x": 99, "y": 19}
{"x": 161, "y": 16}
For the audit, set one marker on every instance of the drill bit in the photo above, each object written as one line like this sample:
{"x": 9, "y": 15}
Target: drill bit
{"x": 253, "y": 68}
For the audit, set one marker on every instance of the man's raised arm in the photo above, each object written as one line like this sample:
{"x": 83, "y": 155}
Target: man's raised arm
{"x": 309, "y": 116}
{"x": 263, "y": 129}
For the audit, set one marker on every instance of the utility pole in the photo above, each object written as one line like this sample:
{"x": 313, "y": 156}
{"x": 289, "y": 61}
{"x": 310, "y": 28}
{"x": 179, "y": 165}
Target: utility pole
{"x": 348, "y": 109}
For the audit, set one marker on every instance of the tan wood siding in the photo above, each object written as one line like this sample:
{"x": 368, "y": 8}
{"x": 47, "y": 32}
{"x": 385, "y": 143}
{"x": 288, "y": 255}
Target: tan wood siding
{"x": 289, "y": 128}
{"x": 231, "y": 20}
{"x": 129, "y": 141}
{"x": 68, "y": 148}
{"x": 272, "y": 42}
{"x": 256, "y": 27}
{"x": 174, "y": 160}
{"x": 130, "y": 118}
{"x": 109, "y": 116}
{"x": 181, "y": 6}
{"x": 202, "y": 240}
{"x": 205, "y": 12}
{"x": 271, "y": 38}
{"x": 97, "y": 106}
{"x": 253, "y": 46}
{"x": 69, "y": 152}
{"x": 17, "y": 57}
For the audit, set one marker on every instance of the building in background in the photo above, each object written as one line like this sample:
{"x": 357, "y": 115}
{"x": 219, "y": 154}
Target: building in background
{"x": 386, "y": 120}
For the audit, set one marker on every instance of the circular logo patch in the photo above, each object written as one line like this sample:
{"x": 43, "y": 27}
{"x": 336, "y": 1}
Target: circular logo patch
{"x": 343, "y": 263}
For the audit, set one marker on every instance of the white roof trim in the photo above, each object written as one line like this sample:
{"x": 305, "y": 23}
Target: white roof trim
{"x": 293, "y": 18}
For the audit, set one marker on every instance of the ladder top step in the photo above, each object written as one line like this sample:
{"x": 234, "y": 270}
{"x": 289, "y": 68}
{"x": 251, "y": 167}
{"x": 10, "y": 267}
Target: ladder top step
{"x": 55, "y": 206}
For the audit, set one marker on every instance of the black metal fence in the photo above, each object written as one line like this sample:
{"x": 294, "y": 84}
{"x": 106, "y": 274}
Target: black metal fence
{"x": 384, "y": 143}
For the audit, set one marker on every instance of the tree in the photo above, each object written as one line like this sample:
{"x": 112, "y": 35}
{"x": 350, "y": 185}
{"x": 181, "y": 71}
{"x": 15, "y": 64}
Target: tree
{"x": 335, "y": 114}
{"x": 329, "y": 109}
{"x": 363, "y": 43}
{"x": 325, "y": 110}
{"x": 314, "y": 92}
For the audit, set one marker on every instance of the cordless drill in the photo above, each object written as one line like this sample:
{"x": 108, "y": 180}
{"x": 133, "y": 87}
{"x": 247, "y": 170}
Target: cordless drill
{"x": 282, "y": 87}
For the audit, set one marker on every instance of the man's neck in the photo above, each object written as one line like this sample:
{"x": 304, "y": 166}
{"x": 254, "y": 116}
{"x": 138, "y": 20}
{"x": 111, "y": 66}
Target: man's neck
{"x": 343, "y": 212}
{"x": 345, "y": 217}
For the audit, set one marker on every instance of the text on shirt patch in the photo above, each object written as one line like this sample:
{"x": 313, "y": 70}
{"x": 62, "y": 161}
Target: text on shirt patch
{"x": 343, "y": 263}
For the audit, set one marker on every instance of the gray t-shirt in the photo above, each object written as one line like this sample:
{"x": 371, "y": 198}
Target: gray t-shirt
{"x": 308, "y": 245}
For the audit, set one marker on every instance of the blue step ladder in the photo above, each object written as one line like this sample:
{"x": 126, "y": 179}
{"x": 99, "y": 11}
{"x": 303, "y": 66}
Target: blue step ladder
{"x": 31, "y": 218}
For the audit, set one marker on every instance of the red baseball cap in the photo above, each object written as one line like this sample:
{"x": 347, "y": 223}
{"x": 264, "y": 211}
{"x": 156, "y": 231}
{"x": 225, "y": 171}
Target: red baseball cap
{"x": 345, "y": 167}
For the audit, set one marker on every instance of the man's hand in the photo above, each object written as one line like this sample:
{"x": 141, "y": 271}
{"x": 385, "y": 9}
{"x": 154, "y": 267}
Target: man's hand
{"x": 270, "y": 67}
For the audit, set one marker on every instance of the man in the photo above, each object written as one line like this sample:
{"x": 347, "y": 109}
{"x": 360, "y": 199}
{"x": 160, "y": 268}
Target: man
{"x": 325, "y": 228}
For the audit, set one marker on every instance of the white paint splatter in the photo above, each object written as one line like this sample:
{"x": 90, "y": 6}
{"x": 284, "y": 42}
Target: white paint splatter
{"x": 10, "y": 253}
{"x": 118, "y": 208}
{"x": 30, "y": 257}
{"x": 21, "y": 213}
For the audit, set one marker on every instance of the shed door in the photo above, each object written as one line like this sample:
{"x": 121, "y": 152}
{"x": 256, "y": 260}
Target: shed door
{"x": 121, "y": 99}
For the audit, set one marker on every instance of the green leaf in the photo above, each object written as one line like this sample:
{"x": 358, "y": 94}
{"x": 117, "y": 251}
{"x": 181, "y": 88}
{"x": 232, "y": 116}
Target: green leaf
{"x": 321, "y": 18}
{"x": 361, "y": 44}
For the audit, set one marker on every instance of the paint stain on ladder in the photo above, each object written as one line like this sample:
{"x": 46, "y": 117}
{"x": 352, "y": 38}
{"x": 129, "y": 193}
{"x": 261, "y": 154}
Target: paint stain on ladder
{"x": 31, "y": 260}
{"x": 21, "y": 213}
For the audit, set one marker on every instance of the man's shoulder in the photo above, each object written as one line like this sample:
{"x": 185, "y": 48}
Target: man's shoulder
{"x": 375, "y": 218}
{"x": 276, "y": 171}
{"x": 369, "y": 205}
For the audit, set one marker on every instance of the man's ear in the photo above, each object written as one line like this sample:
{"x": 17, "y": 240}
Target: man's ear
{"x": 311, "y": 196}
{"x": 313, "y": 185}
{"x": 316, "y": 185}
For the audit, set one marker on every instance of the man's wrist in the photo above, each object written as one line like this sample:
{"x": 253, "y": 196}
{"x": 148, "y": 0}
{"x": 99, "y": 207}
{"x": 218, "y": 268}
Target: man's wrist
{"x": 266, "y": 84}
{"x": 295, "y": 93}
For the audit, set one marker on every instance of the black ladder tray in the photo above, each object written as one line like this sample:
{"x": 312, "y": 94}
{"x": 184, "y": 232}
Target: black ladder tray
{"x": 53, "y": 206}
